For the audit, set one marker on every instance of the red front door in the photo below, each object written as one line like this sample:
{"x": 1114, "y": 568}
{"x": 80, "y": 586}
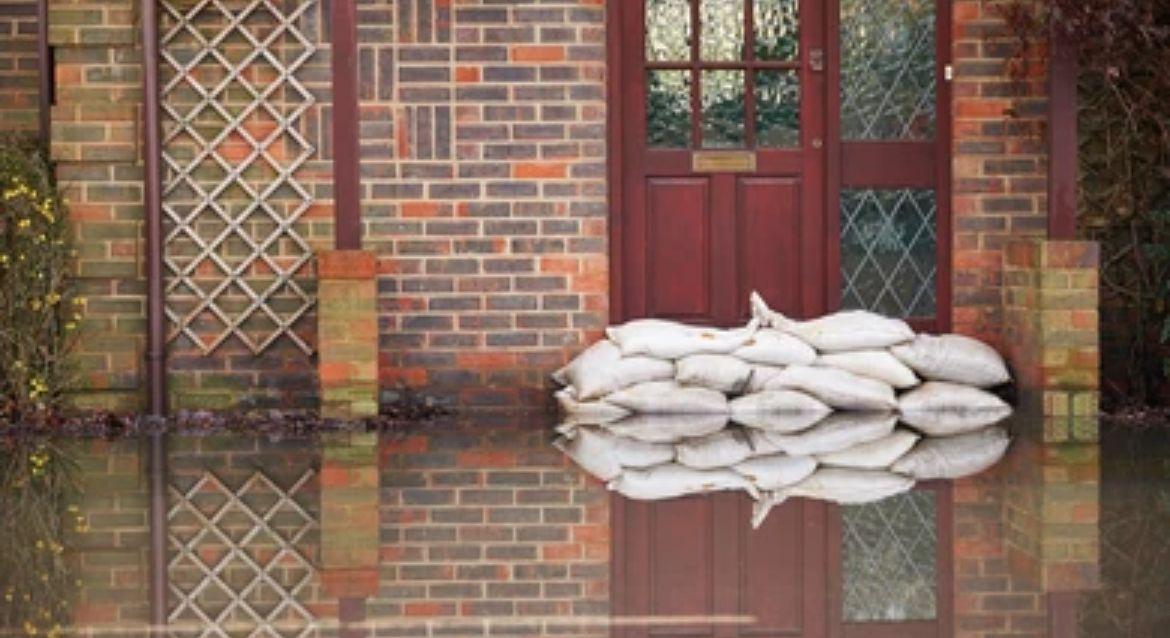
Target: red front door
{"x": 722, "y": 158}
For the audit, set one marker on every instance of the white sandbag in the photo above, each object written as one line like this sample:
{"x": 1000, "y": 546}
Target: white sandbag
{"x": 672, "y": 340}
{"x": 775, "y": 471}
{"x": 671, "y": 479}
{"x": 775, "y": 401}
{"x": 772, "y": 347}
{"x": 837, "y": 485}
{"x": 955, "y": 456}
{"x": 838, "y": 332}
{"x": 720, "y": 372}
{"x": 779, "y": 422}
{"x": 666, "y": 428}
{"x": 593, "y": 451}
{"x": 837, "y": 388}
{"x": 721, "y": 449}
{"x": 588, "y": 411}
{"x": 938, "y": 408}
{"x": 839, "y": 431}
{"x": 874, "y": 455}
{"x": 761, "y": 375}
{"x": 764, "y": 442}
{"x": 601, "y": 369}
{"x": 954, "y": 358}
{"x": 879, "y": 365}
{"x": 668, "y": 397}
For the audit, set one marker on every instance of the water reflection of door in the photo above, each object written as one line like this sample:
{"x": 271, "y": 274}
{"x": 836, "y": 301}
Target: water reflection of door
{"x": 694, "y": 567}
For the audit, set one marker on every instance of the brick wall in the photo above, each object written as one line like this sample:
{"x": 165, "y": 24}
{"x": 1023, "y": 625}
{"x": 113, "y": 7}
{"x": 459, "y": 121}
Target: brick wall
{"x": 998, "y": 159}
{"x": 19, "y": 78}
{"x": 483, "y": 128}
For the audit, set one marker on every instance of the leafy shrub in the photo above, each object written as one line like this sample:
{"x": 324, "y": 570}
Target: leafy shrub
{"x": 37, "y": 305}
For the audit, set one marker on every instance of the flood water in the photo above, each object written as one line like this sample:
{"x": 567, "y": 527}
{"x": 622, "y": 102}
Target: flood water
{"x": 479, "y": 526}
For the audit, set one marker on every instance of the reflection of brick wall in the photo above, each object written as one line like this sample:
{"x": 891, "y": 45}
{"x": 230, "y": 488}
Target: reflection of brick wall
{"x": 998, "y": 160}
{"x": 490, "y": 527}
{"x": 19, "y": 79}
{"x": 483, "y": 128}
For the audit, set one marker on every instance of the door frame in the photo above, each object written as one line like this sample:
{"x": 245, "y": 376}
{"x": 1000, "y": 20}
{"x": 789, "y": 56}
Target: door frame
{"x": 618, "y": 83}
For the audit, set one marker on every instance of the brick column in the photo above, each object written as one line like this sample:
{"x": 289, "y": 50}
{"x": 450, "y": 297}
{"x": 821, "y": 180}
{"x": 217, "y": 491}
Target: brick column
{"x": 1051, "y": 324}
{"x": 347, "y": 324}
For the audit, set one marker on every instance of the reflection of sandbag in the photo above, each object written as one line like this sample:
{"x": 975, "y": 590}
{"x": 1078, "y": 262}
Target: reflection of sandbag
{"x": 593, "y": 451}
{"x": 938, "y": 408}
{"x": 667, "y": 428}
{"x": 628, "y": 452}
{"x": 672, "y": 340}
{"x": 774, "y": 401}
{"x": 847, "y": 487}
{"x": 837, "y": 432}
{"x": 720, "y": 372}
{"x": 671, "y": 479}
{"x": 874, "y": 455}
{"x": 668, "y": 397}
{"x": 955, "y": 456}
{"x": 761, "y": 375}
{"x": 772, "y": 347}
{"x": 776, "y": 470}
{"x": 601, "y": 370}
{"x": 874, "y": 364}
{"x": 837, "y": 388}
{"x": 838, "y": 332}
{"x": 720, "y": 449}
{"x": 780, "y": 422}
{"x": 954, "y": 358}
{"x": 588, "y": 411}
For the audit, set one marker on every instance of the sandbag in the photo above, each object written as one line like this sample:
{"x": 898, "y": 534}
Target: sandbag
{"x": 666, "y": 428}
{"x": 601, "y": 369}
{"x": 672, "y": 340}
{"x": 879, "y": 365}
{"x": 588, "y": 411}
{"x": 837, "y": 388}
{"x": 773, "y": 347}
{"x": 874, "y": 455}
{"x": 954, "y": 358}
{"x": 761, "y": 375}
{"x": 720, "y": 449}
{"x": 720, "y": 372}
{"x": 670, "y": 480}
{"x": 779, "y": 422}
{"x": 775, "y": 471}
{"x": 955, "y": 457}
{"x": 837, "y": 485}
{"x": 837, "y": 432}
{"x": 938, "y": 408}
{"x": 838, "y": 332}
{"x": 668, "y": 397}
{"x": 591, "y": 450}
{"x": 774, "y": 401}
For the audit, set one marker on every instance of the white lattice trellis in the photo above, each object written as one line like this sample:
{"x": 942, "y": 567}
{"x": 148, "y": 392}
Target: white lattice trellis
{"x": 250, "y": 574}
{"x": 233, "y": 104}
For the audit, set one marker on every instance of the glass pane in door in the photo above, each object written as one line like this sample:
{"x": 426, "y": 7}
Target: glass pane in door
{"x": 668, "y": 109}
{"x": 889, "y": 251}
{"x": 723, "y": 119}
{"x": 668, "y": 30}
{"x": 777, "y": 109}
{"x": 722, "y": 30}
{"x": 776, "y": 29}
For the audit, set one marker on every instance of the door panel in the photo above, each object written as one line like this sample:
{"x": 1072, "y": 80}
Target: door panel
{"x": 678, "y": 248}
{"x": 769, "y": 241}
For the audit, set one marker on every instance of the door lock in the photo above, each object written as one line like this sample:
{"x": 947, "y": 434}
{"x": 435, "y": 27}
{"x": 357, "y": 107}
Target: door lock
{"x": 816, "y": 59}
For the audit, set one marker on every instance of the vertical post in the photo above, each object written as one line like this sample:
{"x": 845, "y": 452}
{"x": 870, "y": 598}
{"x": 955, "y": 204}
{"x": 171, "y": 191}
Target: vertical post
{"x": 158, "y": 533}
{"x": 45, "y": 69}
{"x": 1062, "y": 136}
{"x": 346, "y": 160}
{"x": 152, "y": 152}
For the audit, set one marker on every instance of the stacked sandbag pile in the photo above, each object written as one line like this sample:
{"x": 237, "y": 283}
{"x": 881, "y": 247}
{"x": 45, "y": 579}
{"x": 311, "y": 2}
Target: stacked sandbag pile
{"x": 851, "y": 407}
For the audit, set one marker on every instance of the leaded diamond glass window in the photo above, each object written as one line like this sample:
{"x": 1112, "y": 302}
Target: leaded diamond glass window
{"x": 890, "y": 559}
{"x": 887, "y": 69}
{"x": 889, "y": 251}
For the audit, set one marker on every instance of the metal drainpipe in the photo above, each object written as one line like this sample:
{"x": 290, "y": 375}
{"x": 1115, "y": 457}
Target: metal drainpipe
{"x": 152, "y": 151}
{"x": 45, "y": 69}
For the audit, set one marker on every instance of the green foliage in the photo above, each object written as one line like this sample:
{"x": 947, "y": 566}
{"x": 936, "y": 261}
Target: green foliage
{"x": 38, "y": 310}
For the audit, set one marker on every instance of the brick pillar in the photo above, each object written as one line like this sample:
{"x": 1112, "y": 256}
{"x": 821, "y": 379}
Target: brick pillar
{"x": 1051, "y": 323}
{"x": 348, "y": 333}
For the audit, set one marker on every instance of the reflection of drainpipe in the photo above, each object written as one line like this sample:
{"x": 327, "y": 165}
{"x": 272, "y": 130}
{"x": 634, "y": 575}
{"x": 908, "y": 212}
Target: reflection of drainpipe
{"x": 158, "y": 534}
{"x": 152, "y": 151}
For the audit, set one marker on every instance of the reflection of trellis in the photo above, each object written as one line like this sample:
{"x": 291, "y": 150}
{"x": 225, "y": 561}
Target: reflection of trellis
{"x": 232, "y": 105}
{"x": 240, "y": 571}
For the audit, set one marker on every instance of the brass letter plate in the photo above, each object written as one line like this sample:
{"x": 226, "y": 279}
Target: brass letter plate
{"x": 723, "y": 161}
